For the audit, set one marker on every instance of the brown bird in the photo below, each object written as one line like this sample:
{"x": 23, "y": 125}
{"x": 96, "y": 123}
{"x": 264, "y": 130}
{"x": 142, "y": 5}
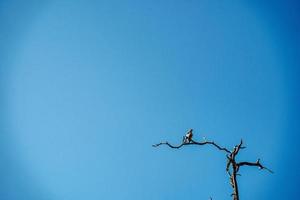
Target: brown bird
{"x": 188, "y": 136}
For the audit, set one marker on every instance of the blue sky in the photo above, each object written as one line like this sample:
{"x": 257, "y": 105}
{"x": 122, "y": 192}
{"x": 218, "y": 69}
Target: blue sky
{"x": 87, "y": 87}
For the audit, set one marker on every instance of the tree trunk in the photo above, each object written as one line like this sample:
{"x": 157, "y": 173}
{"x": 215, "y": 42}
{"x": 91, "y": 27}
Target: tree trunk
{"x": 234, "y": 184}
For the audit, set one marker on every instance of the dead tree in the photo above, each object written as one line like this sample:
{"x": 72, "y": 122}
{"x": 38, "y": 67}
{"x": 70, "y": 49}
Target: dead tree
{"x": 232, "y": 166}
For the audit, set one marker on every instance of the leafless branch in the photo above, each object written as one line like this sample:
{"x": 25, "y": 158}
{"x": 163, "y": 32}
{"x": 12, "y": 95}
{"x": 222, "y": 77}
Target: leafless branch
{"x": 170, "y": 145}
{"x": 239, "y": 147}
{"x": 257, "y": 164}
{"x": 192, "y": 142}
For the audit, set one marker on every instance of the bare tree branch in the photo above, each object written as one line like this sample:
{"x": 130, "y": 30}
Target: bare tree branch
{"x": 239, "y": 147}
{"x": 257, "y": 164}
{"x": 192, "y": 142}
{"x": 211, "y": 143}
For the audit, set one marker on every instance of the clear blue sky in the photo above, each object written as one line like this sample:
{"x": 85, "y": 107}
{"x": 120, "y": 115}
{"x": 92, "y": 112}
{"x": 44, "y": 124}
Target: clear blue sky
{"x": 87, "y": 87}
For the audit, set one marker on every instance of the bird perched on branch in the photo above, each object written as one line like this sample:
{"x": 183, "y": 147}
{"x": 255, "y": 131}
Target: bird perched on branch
{"x": 188, "y": 136}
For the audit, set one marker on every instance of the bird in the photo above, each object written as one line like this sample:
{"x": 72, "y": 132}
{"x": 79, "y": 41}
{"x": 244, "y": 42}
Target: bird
{"x": 188, "y": 136}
